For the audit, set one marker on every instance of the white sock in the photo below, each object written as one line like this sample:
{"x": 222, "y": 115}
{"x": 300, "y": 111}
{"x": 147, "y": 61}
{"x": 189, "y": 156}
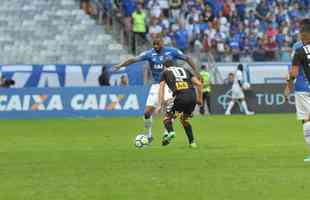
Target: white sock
{"x": 244, "y": 106}
{"x": 230, "y": 106}
{"x": 148, "y": 126}
{"x": 307, "y": 133}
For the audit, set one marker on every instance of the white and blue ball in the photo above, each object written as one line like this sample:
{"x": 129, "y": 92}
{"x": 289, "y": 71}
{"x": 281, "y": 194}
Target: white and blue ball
{"x": 141, "y": 141}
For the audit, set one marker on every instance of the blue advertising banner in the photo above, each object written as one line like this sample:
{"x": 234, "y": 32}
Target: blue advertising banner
{"x": 72, "y": 102}
{"x": 42, "y": 76}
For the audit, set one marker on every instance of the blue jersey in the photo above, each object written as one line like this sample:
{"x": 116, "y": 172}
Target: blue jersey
{"x": 156, "y": 60}
{"x": 301, "y": 82}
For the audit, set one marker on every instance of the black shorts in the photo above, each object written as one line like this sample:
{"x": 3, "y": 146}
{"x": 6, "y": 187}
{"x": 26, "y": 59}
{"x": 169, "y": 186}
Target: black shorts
{"x": 184, "y": 102}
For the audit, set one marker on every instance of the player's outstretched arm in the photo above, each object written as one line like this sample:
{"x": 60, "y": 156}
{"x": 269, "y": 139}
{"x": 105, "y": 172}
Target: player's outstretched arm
{"x": 198, "y": 85}
{"x": 126, "y": 63}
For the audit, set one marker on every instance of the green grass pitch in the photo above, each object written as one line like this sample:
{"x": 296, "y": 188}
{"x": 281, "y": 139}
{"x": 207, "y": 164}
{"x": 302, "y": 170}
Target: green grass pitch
{"x": 239, "y": 157}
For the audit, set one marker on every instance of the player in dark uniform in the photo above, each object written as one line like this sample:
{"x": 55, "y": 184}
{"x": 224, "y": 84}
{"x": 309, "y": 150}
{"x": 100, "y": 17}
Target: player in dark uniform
{"x": 181, "y": 82}
{"x": 301, "y": 63}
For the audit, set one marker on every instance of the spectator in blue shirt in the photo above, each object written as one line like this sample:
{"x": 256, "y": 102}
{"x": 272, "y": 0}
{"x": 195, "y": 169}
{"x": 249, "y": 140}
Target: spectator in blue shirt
{"x": 280, "y": 37}
{"x": 295, "y": 13}
{"x": 129, "y": 7}
{"x": 234, "y": 45}
{"x": 107, "y": 4}
{"x": 241, "y": 8}
{"x": 180, "y": 37}
{"x": 262, "y": 10}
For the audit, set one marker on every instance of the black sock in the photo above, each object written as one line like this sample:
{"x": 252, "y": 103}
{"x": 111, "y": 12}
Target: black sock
{"x": 168, "y": 125}
{"x": 189, "y": 133}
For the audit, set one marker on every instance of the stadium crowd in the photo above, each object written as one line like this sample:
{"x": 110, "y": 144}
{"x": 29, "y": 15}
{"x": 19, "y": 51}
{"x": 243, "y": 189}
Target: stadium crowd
{"x": 233, "y": 30}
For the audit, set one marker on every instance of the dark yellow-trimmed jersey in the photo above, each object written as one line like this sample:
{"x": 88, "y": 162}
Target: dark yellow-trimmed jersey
{"x": 178, "y": 79}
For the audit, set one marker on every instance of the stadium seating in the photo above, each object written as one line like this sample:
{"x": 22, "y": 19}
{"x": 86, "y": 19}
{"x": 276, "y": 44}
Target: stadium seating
{"x": 53, "y": 32}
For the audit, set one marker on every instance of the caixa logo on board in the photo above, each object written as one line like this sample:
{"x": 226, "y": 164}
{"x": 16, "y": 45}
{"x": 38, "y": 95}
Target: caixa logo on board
{"x": 33, "y": 102}
{"x": 105, "y": 102}
{"x": 76, "y": 102}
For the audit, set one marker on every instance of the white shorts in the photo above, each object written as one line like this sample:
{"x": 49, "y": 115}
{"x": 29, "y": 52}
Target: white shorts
{"x": 237, "y": 93}
{"x": 152, "y": 99}
{"x": 302, "y": 103}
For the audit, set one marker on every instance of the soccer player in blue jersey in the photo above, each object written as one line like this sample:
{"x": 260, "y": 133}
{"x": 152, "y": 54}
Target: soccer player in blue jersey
{"x": 156, "y": 57}
{"x": 298, "y": 79}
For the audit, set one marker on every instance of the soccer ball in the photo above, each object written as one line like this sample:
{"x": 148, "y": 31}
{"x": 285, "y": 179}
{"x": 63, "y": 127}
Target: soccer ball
{"x": 141, "y": 141}
{"x": 246, "y": 86}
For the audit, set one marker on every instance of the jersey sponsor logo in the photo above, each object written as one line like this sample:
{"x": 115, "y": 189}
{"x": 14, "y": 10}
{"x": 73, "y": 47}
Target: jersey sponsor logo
{"x": 158, "y": 66}
{"x": 181, "y": 85}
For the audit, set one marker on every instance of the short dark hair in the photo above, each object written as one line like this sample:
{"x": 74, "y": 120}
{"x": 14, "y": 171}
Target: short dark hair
{"x": 168, "y": 63}
{"x": 305, "y": 25}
